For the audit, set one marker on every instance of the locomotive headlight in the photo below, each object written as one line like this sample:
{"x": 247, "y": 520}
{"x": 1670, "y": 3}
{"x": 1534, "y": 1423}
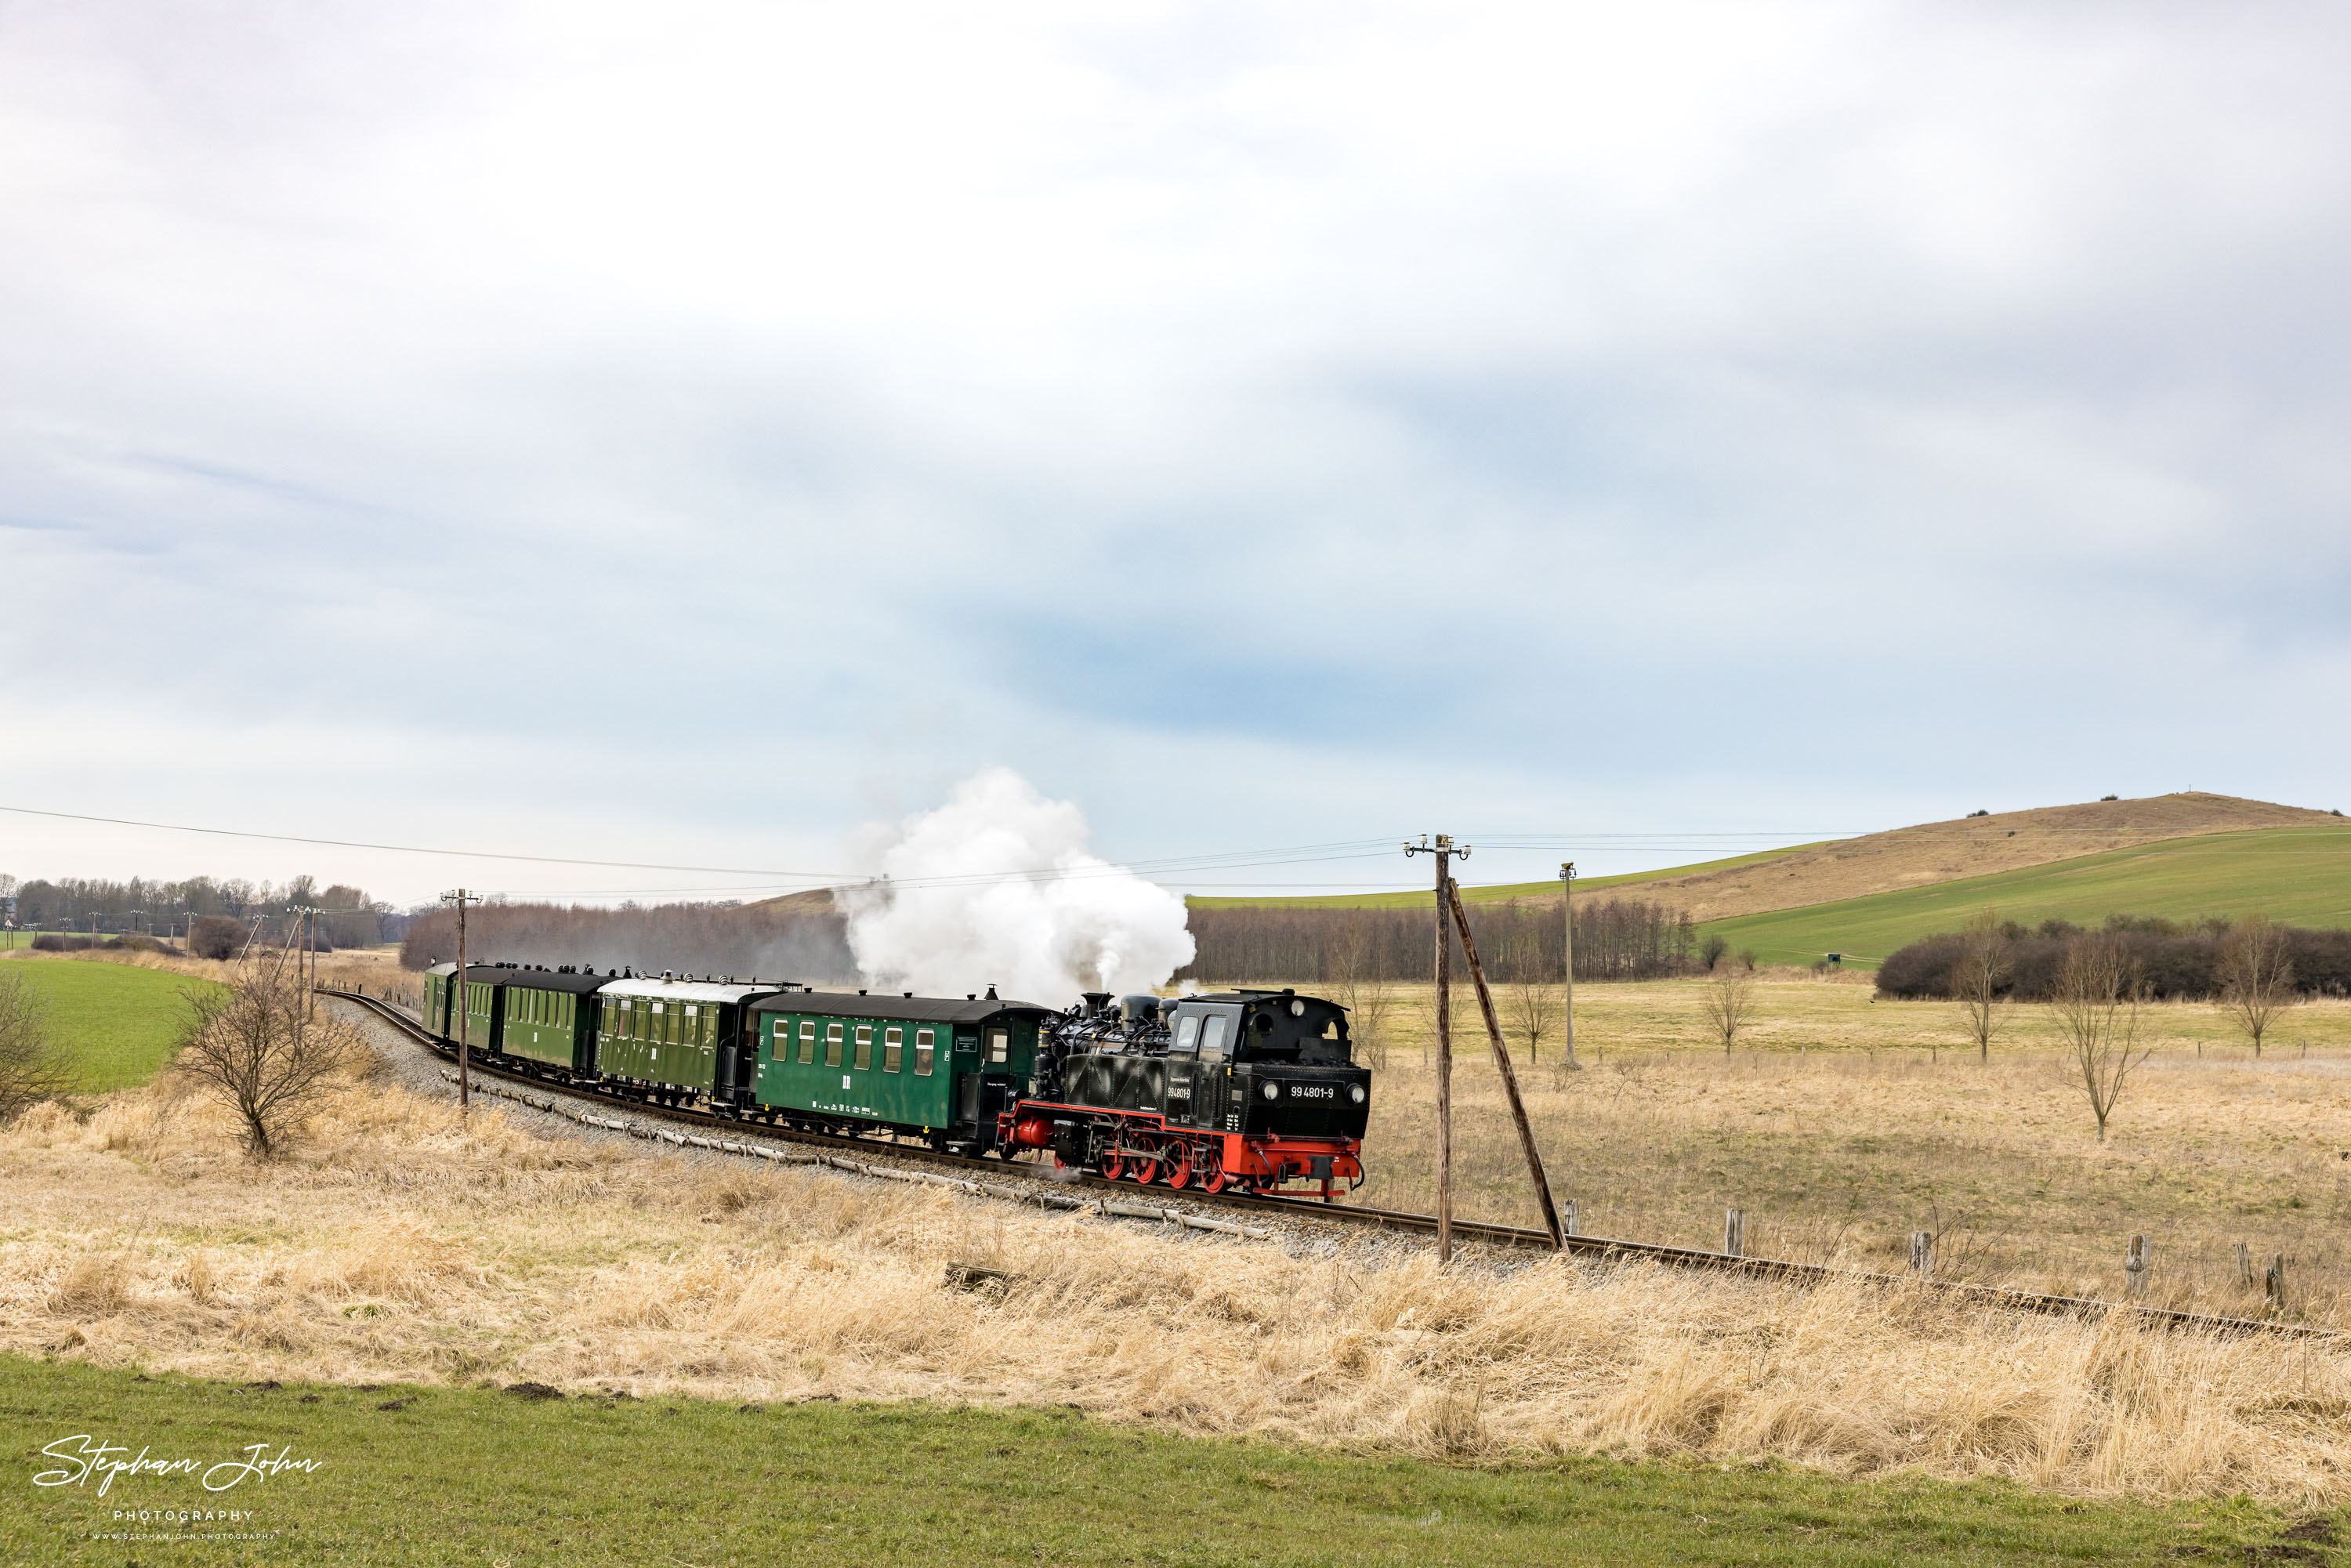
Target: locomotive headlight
{"x": 1297, "y": 1009}
{"x": 1356, "y": 1093}
{"x": 1272, "y": 1092}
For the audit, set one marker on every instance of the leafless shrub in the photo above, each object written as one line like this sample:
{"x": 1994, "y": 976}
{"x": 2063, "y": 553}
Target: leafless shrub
{"x": 248, "y": 1047}
{"x": 1535, "y": 1007}
{"x": 2256, "y": 976}
{"x": 33, "y": 1067}
{"x": 1976, "y": 979}
{"x": 2098, "y": 994}
{"x": 1726, "y": 1000}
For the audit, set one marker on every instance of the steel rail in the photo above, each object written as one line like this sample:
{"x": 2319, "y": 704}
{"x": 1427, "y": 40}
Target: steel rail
{"x": 1512, "y": 1236}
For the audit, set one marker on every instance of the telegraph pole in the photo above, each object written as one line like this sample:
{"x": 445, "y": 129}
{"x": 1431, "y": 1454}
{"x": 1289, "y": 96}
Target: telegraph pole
{"x": 462, "y": 898}
{"x": 1567, "y": 912}
{"x": 1444, "y": 849}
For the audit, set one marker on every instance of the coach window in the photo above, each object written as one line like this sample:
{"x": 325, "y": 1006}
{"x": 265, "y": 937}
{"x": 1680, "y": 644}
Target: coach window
{"x": 832, "y": 1045}
{"x": 999, "y": 1044}
{"x": 925, "y": 1051}
{"x": 808, "y": 1043}
{"x": 864, "y": 1047}
{"x": 893, "y": 1049}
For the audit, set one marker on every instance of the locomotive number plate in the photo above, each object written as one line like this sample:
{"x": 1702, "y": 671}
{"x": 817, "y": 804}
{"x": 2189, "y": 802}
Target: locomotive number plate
{"x": 1312, "y": 1092}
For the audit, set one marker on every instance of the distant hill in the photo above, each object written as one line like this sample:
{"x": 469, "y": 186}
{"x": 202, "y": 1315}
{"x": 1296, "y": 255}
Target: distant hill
{"x": 1900, "y": 858}
{"x": 2300, "y": 874}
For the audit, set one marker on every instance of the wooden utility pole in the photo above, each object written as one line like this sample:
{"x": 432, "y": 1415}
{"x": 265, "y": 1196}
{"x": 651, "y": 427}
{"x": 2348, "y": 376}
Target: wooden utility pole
{"x": 1567, "y": 915}
{"x": 462, "y": 898}
{"x": 1510, "y": 1079}
{"x": 1444, "y": 849}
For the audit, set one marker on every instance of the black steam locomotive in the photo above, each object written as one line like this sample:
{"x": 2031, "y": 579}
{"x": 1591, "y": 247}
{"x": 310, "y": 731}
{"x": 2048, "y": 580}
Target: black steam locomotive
{"x": 1247, "y": 1089}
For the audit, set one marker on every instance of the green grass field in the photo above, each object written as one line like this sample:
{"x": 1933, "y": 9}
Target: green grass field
{"x": 117, "y": 1022}
{"x": 438, "y": 1476}
{"x": 1496, "y": 892}
{"x": 2297, "y": 874}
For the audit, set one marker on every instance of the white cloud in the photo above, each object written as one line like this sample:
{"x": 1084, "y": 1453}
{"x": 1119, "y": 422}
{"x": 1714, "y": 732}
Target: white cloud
{"x": 1434, "y": 406}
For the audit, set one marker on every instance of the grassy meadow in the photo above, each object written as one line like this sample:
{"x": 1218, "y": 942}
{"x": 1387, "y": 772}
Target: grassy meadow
{"x": 2302, "y": 875}
{"x": 1841, "y": 1123}
{"x": 436, "y": 1474}
{"x": 117, "y": 1022}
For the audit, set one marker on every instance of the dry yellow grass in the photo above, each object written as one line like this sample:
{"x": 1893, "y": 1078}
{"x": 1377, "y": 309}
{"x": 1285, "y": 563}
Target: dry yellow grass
{"x": 1851, "y": 1122}
{"x": 404, "y": 1243}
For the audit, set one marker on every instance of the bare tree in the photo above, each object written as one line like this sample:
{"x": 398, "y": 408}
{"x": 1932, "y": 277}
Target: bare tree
{"x": 247, "y": 1046}
{"x": 1363, "y": 990}
{"x": 1534, "y": 1008}
{"x": 2096, "y": 999}
{"x": 1982, "y": 968}
{"x": 33, "y": 1067}
{"x": 1726, "y": 1000}
{"x": 2256, "y": 977}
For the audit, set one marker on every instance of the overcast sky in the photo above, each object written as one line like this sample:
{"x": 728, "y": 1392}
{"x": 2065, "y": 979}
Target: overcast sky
{"x": 695, "y": 435}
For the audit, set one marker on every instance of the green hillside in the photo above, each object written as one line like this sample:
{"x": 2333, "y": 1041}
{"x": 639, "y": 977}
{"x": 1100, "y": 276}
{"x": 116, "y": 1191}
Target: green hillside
{"x": 2297, "y": 874}
{"x": 117, "y": 1023}
{"x": 1497, "y": 893}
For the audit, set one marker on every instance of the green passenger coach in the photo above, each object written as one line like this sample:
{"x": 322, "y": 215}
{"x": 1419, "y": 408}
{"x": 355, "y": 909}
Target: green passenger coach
{"x": 549, "y": 1017}
{"x": 437, "y": 1021}
{"x": 936, "y": 1068}
{"x": 678, "y": 1041}
{"x": 480, "y": 999}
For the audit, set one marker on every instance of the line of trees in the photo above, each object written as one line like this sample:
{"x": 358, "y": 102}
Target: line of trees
{"x": 744, "y": 940}
{"x": 95, "y": 906}
{"x": 1615, "y": 939}
{"x": 2181, "y": 960}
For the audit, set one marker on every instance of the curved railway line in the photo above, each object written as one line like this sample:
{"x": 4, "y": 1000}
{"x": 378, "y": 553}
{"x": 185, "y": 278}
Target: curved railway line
{"x": 1298, "y": 1211}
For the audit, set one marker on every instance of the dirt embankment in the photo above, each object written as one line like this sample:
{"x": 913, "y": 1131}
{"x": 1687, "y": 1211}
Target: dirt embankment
{"x": 1965, "y": 847}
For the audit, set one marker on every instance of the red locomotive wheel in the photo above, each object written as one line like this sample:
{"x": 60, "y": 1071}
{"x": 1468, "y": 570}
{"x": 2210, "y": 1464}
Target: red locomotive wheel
{"x": 1179, "y": 1165}
{"x": 1113, "y": 1166}
{"x": 1147, "y": 1169}
{"x": 1212, "y": 1171}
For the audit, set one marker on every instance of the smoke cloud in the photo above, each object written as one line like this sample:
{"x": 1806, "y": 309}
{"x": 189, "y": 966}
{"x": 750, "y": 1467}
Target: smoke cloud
{"x": 953, "y": 912}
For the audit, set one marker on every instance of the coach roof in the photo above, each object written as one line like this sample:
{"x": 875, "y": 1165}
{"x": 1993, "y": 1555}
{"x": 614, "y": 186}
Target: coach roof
{"x": 659, "y": 990}
{"x": 908, "y": 1009}
{"x": 577, "y": 982}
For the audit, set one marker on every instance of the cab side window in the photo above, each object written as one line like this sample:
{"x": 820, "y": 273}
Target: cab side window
{"x": 1212, "y": 1037}
{"x": 999, "y": 1044}
{"x": 925, "y": 1051}
{"x": 1188, "y": 1032}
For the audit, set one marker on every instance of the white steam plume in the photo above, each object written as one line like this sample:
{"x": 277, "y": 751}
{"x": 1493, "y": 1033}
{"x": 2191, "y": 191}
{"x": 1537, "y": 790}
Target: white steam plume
{"x": 1084, "y": 925}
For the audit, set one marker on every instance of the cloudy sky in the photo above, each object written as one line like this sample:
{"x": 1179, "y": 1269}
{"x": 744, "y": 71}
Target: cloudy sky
{"x": 692, "y": 435}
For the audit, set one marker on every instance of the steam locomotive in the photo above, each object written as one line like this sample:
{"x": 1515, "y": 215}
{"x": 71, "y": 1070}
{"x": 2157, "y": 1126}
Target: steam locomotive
{"x": 1250, "y": 1089}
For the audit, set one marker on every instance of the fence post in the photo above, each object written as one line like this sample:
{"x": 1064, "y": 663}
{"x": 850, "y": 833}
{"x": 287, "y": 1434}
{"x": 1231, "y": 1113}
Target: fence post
{"x": 1734, "y": 1233}
{"x": 2245, "y": 1265}
{"x": 1922, "y": 1252}
{"x": 2276, "y": 1281}
{"x": 1567, "y": 1218}
{"x": 2136, "y": 1264}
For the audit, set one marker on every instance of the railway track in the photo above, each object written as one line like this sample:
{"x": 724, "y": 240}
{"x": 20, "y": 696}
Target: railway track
{"x": 1357, "y": 1216}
